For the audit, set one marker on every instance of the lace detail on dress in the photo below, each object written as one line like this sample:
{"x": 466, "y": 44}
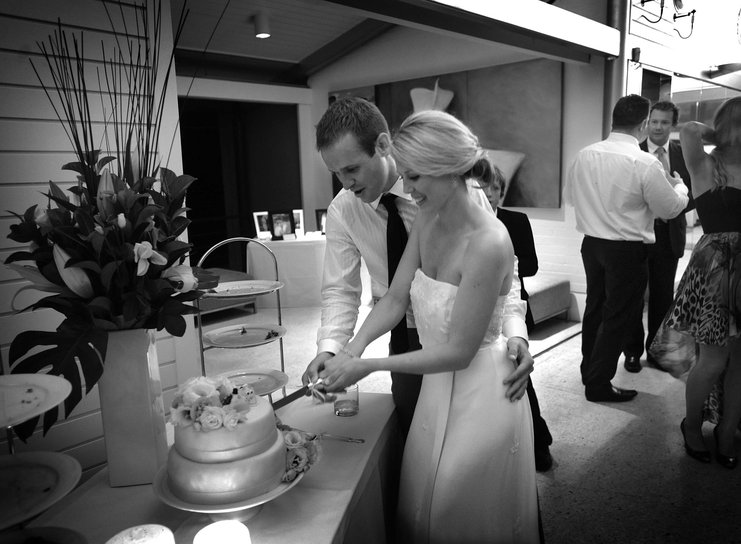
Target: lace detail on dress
{"x": 432, "y": 303}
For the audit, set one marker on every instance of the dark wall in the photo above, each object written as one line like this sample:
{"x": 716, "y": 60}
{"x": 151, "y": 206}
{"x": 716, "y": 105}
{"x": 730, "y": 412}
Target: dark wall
{"x": 514, "y": 109}
{"x": 246, "y": 159}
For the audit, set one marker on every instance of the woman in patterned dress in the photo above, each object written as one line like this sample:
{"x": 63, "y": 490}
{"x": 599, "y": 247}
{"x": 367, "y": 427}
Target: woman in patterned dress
{"x": 707, "y": 307}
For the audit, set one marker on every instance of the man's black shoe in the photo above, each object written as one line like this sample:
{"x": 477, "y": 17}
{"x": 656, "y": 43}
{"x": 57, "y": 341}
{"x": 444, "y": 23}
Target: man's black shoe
{"x": 543, "y": 459}
{"x": 609, "y": 393}
{"x": 633, "y": 363}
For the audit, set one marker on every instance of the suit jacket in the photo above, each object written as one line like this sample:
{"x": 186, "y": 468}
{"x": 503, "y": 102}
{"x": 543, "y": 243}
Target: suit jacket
{"x": 678, "y": 225}
{"x": 521, "y": 234}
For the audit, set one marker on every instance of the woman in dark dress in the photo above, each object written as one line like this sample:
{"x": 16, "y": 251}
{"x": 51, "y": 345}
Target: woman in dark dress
{"x": 706, "y": 311}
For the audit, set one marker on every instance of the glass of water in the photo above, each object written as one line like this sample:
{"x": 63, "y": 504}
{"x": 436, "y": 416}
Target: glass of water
{"x": 346, "y": 403}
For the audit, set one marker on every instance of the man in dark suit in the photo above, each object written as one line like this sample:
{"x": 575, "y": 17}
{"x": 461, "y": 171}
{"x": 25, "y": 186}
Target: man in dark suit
{"x": 671, "y": 235}
{"x": 521, "y": 234}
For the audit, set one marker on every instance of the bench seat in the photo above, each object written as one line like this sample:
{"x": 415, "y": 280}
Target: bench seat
{"x": 550, "y": 296}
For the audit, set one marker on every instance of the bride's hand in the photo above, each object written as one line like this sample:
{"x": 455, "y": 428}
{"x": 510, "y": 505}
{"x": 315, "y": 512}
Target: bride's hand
{"x": 516, "y": 382}
{"x": 342, "y": 370}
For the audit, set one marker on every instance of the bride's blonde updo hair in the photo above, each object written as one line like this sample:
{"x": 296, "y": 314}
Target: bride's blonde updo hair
{"x": 434, "y": 143}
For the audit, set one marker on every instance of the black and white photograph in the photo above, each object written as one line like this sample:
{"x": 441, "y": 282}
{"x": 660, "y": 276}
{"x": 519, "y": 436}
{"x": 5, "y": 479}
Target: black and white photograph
{"x": 191, "y": 352}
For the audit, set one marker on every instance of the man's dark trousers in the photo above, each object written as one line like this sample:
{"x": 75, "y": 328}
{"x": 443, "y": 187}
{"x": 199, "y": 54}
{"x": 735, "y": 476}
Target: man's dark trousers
{"x": 616, "y": 280}
{"x": 405, "y": 387}
{"x": 662, "y": 271}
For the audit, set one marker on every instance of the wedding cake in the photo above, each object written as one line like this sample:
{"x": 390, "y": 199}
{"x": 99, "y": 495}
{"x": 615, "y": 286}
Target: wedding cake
{"x": 227, "y": 447}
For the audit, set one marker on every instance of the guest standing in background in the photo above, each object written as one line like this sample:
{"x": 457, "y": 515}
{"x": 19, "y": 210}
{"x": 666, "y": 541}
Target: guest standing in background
{"x": 617, "y": 190}
{"x": 707, "y": 308}
{"x": 521, "y": 234}
{"x": 354, "y": 142}
{"x": 468, "y": 472}
{"x": 671, "y": 236}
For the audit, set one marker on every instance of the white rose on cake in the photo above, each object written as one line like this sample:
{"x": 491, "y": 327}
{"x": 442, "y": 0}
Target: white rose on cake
{"x": 211, "y": 403}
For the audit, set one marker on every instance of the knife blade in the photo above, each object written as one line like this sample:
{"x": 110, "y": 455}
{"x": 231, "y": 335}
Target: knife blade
{"x": 290, "y": 398}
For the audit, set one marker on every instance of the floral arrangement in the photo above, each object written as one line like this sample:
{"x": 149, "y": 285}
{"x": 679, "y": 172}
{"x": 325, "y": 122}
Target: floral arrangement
{"x": 211, "y": 403}
{"x": 109, "y": 253}
{"x": 302, "y": 450}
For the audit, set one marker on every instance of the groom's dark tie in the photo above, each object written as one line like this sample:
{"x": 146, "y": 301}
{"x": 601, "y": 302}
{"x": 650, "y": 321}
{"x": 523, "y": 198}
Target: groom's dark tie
{"x": 396, "y": 240}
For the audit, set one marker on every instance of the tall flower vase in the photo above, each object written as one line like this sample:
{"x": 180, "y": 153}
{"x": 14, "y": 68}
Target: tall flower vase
{"x": 132, "y": 408}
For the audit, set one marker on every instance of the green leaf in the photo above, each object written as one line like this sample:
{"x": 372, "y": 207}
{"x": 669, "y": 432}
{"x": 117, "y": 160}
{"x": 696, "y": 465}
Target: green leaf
{"x": 179, "y": 185}
{"x": 102, "y": 162}
{"x": 63, "y": 349}
{"x": 75, "y": 167}
{"x": 57, "y": 192}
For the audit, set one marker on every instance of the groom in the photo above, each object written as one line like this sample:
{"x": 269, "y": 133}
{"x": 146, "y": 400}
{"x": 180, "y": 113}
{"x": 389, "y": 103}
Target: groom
{"x": 354, "y": 142}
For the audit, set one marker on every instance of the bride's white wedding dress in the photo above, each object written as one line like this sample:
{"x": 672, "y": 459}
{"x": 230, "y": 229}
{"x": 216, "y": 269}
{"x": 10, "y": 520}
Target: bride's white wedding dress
{"x": 468, "y": 472}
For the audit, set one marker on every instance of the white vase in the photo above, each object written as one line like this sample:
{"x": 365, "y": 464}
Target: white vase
{"x": 132, "y": 408}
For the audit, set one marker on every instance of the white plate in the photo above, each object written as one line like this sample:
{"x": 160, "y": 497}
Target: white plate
{"x": 244, "y": 288}
{"x": 243, "y": 336}
{"x": 163, "y": 492}
{"x": 263, "y": 381}
{"x": 23, "y": 396}
{"x": 31, "y": 482}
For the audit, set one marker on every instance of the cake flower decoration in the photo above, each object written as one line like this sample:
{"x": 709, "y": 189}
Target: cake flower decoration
{"x": 211, "y": 403}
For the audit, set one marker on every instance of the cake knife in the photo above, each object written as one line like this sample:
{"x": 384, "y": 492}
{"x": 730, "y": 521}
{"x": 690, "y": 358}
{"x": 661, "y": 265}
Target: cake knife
{"x": 302, "y": 392}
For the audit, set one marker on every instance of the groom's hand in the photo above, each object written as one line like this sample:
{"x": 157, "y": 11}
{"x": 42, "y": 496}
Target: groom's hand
{"x": 311, "y": 374}
{"x": 519, "y": 354}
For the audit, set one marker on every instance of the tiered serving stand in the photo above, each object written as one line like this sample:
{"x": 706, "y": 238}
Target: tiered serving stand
{"x": 263, "y": 381}
{"x": 32, "y": 481}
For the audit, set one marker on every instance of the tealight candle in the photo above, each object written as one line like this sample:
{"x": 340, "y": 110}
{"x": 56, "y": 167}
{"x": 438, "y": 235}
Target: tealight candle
{"x": 144, "y": 534}
{"x": 222, "y": 530}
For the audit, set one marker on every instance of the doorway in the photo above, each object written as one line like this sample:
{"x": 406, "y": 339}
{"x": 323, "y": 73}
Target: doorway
{"x": 246, "y": 158}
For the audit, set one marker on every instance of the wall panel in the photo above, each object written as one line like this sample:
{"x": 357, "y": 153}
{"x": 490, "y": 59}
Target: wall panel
{"x": 33, "y": 148}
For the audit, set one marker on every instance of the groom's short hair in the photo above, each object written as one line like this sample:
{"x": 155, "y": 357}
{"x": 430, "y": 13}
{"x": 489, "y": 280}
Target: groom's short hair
{"x": 351, "y": 115}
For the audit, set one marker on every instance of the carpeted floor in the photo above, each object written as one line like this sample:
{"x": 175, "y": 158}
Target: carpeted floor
{"x": 620, "y": 475}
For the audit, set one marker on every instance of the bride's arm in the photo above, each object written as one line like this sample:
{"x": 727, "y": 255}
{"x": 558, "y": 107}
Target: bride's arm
{"x": 488, "y": 262}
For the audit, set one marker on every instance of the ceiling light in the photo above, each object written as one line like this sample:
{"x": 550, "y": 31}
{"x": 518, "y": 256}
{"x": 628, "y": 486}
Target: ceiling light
{"x": 262, "y": 26}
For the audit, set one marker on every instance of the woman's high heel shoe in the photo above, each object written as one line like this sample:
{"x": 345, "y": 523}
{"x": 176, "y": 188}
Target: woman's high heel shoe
{"x": 724, "y": 460}
{"x": 701, "y": 455}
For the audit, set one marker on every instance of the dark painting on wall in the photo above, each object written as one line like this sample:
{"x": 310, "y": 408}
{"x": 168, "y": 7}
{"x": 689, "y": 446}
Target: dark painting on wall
{"x": 515, "y": 110}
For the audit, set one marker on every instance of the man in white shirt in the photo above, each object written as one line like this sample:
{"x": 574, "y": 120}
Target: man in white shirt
{"x": 354, "y": 141}
{"x": 617, "y": 190}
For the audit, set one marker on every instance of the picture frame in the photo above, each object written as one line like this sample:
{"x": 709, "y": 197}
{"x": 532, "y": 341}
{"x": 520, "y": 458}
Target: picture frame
{"x": 262, "y": 225}
{"x": 281, "y": 224}
{"x": 321, "y": 220}
{"x": 298, "y": 222}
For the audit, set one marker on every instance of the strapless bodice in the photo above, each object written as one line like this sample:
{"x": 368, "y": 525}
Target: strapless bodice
{"x": 720, "y": 210}
{"x": 432, "y": 302}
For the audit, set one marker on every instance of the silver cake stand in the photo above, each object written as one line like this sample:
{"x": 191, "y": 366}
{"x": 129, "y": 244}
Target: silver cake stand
{"x": 241, "y": 510}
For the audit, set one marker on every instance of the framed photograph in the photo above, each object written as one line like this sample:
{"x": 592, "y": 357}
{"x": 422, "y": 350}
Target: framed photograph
{"x": 298, "y": 221}
{"x": 262, "y": 226}
{"x": 281, "y": 223}
{"x": 321, "y": 220}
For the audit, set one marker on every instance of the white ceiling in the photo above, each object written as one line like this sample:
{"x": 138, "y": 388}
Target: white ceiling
{"x": 298, "y": 27}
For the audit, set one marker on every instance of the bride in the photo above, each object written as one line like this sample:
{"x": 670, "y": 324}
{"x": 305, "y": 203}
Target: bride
{"x": 468, "y": 472}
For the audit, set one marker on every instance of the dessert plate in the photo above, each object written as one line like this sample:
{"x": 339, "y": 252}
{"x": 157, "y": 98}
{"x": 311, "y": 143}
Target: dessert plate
{"x": 31, "y": 482}
{"x": 23, "y": 396}
{"x": 263, "y": 381}
{"x": 244, "y": 288}
{"x": 163, "y": 492}
{"x": 243, "y": 336}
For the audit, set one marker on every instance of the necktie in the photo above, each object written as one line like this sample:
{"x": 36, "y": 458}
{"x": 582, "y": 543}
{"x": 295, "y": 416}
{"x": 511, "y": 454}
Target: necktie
{"x": 396, "y": 240}
{"x": 661, "y": 155}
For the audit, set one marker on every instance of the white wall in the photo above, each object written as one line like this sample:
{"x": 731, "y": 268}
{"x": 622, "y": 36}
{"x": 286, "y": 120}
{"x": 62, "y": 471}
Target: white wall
{"x": 33, "y": 149}
{"x": 406, "y": 53}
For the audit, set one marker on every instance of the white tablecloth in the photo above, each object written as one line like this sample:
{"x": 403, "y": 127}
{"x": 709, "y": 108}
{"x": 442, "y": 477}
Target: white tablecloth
{"x": 344, "y": 498}
{"x": 300, "y": 264}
